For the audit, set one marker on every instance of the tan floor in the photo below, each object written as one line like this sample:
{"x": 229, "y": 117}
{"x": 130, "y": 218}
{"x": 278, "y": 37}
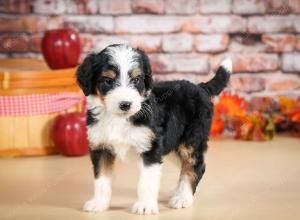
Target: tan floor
{"x": 244, "y": 180}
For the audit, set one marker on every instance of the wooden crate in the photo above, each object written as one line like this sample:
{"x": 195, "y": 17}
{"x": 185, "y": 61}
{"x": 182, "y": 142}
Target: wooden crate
{"x": 30, "y": 135}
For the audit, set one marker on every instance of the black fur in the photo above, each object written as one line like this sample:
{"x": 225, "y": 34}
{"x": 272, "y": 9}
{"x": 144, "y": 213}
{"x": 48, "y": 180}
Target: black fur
{"x": 182, "y": 114}
{"x": 85, "y": 75}
{"x": 198, "y": 168}
{"x": 155, "y": 154}
{"x": 100, "y": 154}
{"x": 90, "y": 118}
{"x": 145, "y": 63}
{"x": 89, "y": 72}
{"x": 217, "y": 84}
{"x": 95, "y": 158}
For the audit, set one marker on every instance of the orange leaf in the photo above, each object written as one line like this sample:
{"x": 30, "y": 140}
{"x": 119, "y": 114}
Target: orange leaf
{"x": 217, "y": 126}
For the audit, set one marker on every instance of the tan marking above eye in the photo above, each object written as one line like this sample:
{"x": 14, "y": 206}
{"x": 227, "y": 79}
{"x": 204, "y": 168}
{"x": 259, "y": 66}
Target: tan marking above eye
{"x": 136, "y": 72}
{"x": 110, "y": 74}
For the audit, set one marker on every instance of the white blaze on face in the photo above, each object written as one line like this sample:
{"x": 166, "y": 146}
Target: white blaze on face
{"x": 124, "y": 58}
{"x": 121, "y": 94}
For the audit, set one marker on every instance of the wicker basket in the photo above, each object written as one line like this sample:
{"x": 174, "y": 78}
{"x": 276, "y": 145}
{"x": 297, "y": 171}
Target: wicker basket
{"x": 30, "y": 135}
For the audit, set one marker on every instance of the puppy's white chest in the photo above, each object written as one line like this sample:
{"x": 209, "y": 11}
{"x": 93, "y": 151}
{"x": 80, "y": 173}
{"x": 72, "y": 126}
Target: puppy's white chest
{"x": 120, "y": 134}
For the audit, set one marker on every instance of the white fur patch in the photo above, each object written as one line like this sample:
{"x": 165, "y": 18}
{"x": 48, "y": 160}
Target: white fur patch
{"x": 124, "y": 57}
{"x": 227, "y": 64}
{"x": 93, "y": 102}
{"x": 116, "y": 131}
{"x": 183, "y": 195}
{"x": 148, "y": 187}
{"x": 123, "y": 94}
{"x": 102, "y": 195}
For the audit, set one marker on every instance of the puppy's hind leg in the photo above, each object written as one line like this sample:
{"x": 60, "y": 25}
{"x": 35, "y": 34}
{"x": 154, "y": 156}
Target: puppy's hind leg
{"x": 102, "y": 160}
{"x": 192, "y": 170}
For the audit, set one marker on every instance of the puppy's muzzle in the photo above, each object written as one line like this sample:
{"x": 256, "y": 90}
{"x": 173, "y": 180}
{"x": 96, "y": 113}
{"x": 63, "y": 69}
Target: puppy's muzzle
{"x": 125, "y": 106}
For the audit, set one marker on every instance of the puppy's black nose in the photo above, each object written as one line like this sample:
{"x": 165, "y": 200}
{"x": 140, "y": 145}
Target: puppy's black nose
{"x": 125, "y": 106}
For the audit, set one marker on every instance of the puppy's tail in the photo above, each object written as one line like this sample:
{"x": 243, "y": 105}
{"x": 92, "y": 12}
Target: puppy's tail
{"x": 219, "y": 81}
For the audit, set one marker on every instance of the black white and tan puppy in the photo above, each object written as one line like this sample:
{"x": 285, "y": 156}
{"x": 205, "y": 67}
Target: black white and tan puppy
{"x": 127, "y": 110}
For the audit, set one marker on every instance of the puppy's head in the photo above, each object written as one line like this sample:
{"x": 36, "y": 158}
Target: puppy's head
{"x": 119, "y": 75}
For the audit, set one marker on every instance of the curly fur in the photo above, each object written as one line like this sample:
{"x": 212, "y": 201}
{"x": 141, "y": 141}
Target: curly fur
{"x": 173, "y": 116}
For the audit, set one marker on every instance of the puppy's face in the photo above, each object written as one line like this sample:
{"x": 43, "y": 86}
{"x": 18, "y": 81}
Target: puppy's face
{"x": 119, "y": 75}
{"x": 121, "y": 80}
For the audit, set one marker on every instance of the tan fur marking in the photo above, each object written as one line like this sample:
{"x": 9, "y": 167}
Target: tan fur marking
{"x": 136, "y": 72}
{"x": 110, "y": 74}
{"x": 142, "y": 93}
{"x": 106, "y": 163}
{"x": 185, "y": 153}
{"x": 102, "y": 98}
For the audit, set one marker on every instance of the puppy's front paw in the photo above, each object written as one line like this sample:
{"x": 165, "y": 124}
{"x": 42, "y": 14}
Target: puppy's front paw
{"x": 96, "y": 205}
{"x": 145, "y": 208}
{"x": 181, "y": 200}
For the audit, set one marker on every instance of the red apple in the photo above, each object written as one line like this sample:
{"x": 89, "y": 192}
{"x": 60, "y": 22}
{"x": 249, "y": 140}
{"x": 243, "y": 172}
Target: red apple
{"x": 69, "y": 134}
{"x": 61, "y": 48}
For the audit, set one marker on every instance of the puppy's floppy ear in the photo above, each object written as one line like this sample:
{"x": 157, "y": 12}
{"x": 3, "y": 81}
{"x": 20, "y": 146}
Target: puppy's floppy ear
{"x": 148, "y": 81}
{"x": 85, "y": 73}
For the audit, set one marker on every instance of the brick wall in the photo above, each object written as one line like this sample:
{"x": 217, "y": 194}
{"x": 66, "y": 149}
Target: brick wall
{"x": 184, "y": 38}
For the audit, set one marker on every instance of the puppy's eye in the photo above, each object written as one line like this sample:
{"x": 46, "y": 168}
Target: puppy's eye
{"x": 135, "y": 81}
{"x": 108, "y": 81}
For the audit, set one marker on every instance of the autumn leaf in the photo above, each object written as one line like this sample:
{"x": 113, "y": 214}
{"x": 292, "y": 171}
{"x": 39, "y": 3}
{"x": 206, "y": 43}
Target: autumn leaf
{"x": 231, "y": 105}
{"x": 218, "y": 125}
{"x": 286, "y": 104}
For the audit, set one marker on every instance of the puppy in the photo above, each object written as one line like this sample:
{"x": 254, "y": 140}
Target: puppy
{"x": 126, "y": 110}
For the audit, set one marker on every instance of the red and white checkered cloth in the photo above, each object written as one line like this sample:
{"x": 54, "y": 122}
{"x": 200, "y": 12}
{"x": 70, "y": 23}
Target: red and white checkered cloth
{"x": 39, "y": 104}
